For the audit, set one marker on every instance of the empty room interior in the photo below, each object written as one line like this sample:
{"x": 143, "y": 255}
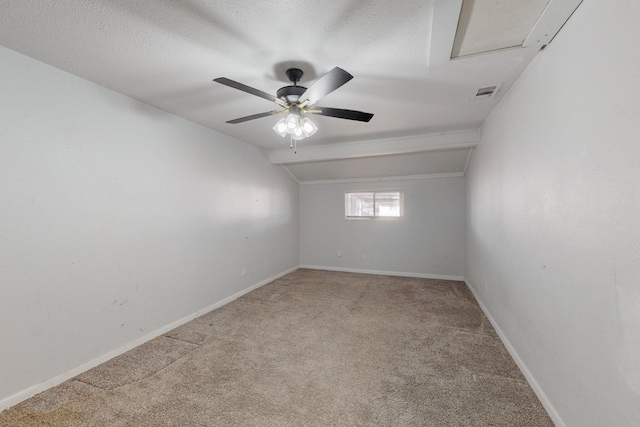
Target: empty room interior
{"x": 421, "y": 212}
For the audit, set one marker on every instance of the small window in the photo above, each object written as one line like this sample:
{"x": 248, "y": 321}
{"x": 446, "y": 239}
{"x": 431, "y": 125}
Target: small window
{"x": 374, "y": 204}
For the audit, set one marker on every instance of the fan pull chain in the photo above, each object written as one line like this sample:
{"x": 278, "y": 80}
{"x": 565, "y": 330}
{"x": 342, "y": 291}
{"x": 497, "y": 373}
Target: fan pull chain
{"x": 293, "y": 143}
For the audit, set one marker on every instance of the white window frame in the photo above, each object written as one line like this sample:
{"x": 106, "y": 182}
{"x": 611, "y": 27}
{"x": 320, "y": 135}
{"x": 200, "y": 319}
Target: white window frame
{"x": 346, "y": 204}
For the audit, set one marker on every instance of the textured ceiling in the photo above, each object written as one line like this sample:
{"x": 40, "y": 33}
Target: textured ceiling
{"x": 166, "y": 53}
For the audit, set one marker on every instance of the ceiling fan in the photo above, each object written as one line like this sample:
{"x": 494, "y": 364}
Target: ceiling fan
{"x": 299, "y": 101}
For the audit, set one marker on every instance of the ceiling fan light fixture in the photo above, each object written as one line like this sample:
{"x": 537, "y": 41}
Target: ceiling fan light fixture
{"x": 308, "y": 127}
{"x": 298, "y": 128}
{"x": 293, "y": 122}
{"x": 298, "y": 134}
{"x": 281, "y": 127}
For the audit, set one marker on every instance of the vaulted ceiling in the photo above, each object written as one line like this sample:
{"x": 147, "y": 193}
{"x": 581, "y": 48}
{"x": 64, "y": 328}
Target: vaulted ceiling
{"x": 426, "y": 112}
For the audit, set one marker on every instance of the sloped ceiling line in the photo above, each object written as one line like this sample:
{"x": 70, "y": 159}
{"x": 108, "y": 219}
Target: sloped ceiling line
{"x": 428, "y": 156}
{"x": 434, "y": 142}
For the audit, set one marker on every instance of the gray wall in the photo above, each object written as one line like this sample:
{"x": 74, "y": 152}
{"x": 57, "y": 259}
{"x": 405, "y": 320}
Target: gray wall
{"x": 428, "y": 242}
{"x": 553, "y": 218}
{"x": 118, "y": 219}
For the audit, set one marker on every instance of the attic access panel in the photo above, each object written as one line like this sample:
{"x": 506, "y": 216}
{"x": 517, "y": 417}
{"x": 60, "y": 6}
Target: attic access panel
{"x": 493, "y": 26}
{"x": 488, "y": 25}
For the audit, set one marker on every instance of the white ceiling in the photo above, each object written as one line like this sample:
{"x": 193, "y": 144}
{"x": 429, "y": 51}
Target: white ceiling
{"x": 166, "y": 53}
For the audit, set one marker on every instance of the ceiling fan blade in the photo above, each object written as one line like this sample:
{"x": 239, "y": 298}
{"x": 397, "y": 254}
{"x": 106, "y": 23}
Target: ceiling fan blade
{"x": 325, "y": 85}
{"x": 254, "y": 116}
{"x": 341, "y": 113}
{"x": 253, "y": 91}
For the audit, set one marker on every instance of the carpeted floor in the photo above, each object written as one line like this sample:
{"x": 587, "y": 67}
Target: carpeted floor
{"x": 313, "y": 348}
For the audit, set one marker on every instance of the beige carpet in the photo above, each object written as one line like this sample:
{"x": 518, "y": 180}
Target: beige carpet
{"x": 314, "y": 348}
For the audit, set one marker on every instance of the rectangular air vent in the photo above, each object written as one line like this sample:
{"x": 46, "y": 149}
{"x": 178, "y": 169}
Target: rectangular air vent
{"x": 485, "y": 92}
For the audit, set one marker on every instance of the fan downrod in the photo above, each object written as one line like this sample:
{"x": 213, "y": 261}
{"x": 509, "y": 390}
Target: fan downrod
{"x": 291, "y": 94}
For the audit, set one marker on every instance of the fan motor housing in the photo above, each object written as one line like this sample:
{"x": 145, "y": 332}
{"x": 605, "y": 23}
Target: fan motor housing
{"x": 290, "y": 93}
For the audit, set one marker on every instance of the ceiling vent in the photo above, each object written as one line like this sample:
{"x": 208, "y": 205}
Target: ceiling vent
{"x": 485, "y": 92}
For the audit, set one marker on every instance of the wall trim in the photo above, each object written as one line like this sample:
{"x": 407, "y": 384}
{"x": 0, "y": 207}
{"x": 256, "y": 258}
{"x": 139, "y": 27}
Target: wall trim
{"x": 384, "y": 273}
{"x": 546, "y": 403}
{"x": 58, "y": 379}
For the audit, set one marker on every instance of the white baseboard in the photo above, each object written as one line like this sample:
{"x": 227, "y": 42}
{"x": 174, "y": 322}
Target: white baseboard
{"x": 551, "y": 410}
{"x": 58, "y": 379}
{"x": 384, "y": 273}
